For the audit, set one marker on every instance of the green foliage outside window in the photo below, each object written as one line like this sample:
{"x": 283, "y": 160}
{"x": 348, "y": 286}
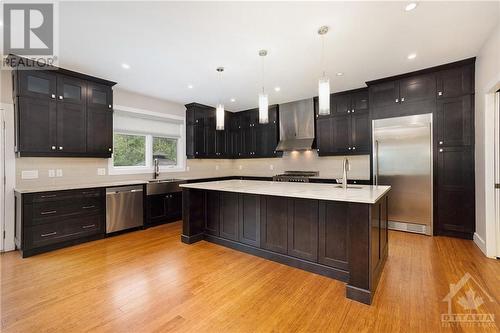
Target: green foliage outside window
{"x": 129, "y": 150}
{"x": 165, "y": 150}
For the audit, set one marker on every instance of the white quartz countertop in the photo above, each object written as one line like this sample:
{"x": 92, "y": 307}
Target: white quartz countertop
{"x": 48, "y": 188}
{"x": 355, "y": 193}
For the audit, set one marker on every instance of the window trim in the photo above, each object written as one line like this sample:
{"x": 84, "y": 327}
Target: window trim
{"x": 149, "y": 168}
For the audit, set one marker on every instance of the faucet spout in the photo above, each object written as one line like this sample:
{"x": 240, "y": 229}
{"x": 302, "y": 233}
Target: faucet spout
{"x": 345, "y": 169}
{"x": 157, "y": 168}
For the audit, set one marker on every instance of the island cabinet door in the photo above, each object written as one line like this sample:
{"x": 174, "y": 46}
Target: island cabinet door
{"x": 303, "y": 229}
{"x": 249, "y": 219}
{"x": 274, "y": 224}
{"x": 229, "y": 215}
{"x": 213, "y": 213}
{"x": 333, "y": 234}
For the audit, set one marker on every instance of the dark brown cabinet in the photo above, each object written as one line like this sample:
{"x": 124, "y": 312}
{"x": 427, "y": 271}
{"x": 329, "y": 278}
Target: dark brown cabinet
{"x": 163, "y": 208}
{"x": 229, "y": 215}
{"x": 455, "y": 82}
{"x": 61, "y": 113}
{"x": 274, "y": 224}
{"x": 455, "y": 121}
{"x": 51, "y": 220}
{"x": 303, "y": 229}
{"x": 212, "y": 219}
{"x": 249, "y": 219}
{"x": 333, "y": 234}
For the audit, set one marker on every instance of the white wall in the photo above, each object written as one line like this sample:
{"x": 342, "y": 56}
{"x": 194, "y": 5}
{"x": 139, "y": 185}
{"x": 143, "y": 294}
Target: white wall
{"x": 487, "y": 82}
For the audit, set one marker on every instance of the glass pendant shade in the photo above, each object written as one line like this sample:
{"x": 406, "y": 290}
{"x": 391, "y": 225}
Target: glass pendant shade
{"x": 324, "y": 96}
{"x": 219, "y": 117}
{"x": 263, "y": 109}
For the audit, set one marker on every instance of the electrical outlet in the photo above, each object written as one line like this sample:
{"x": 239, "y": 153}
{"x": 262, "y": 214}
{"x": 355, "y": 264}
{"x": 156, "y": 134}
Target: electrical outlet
{"x": 271, "y": 167}
{"x": 240, "y": 167}
{"x": 59, "y": 173}
{"x": 188, "y": 168}
{"x": 101, "y": 171}
{"x": 52, "y": 173}
{"x": 29, "y": 174}
{"x": 216, "y": 167}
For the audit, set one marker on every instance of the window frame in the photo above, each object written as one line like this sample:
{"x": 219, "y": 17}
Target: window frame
{"x": 149, "y": 167}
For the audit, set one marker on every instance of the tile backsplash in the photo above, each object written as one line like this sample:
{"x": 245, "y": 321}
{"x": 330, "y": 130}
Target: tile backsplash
{"x": 85, "y": 170}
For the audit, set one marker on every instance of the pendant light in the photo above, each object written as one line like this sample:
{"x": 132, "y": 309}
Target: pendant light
{"x": 263, "y": 99}
{"x": 324, "y": 82}
{"x": 219, "y": 110}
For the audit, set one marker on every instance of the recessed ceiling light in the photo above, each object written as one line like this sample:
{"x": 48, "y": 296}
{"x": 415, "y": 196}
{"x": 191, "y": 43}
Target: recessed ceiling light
{"x": 412, "y": 56}
{"x": 126, "y": 66}
{"x": 233, "y": 100}
{"x": 411, "y": 6}
{"x": 277, "y": 88}
{"x": 340, "y": 74}
{"x": 190, "y": 86}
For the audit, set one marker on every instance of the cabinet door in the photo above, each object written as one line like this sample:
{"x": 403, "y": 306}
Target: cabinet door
{"x": 303, "y": 229}
{"x": 99, "y": 96}
{"x": 190, "y": 140}
{"x": 455, "y": 190}
{"x": 199, "y": 140}
{"x": 213, "y": 213}
{"x": 341, "y": 104}
{"x": 37, "y": 125}
{"x": 266, "y": 140}
{"x": 71, "y": 127}
{"x": 455, "y": 121}
{"x": 324, "y": 135}
{"x": 221, "y": 139}
{"x": 360, "y": 132}
{"x": 99, "y": 130}
{"x": 333, "y": 234}
{"x": 71, "y": 90}
{"x": 455, "y": 82}
{"x": 210, "y": 141}
{"x": 37, "y": 84}
{"x": 274, "y": 224}
{"x": 341, "y": 134}
{"x": 174, "y": 208}
{"x": 249, "y": 219}
{"x": 157, "y": 208}
{"x": 384, "y": 95}
{"x": 359, "y": 101}
{"x": 417, "y": 89}
{"x": 248, "y": 139}
{"x": 229, "y": 215}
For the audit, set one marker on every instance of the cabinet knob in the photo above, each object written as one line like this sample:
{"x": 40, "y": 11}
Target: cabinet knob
{"x": 348, "y": 111}
{"x": 440, "y": 142}
{"x": 397, "y": 100}
{"x": 109, "y": 149}
{"x": 349, "y": 148}
{"x": 352, "y": 110}
{"x": 440, "y": 93}
{"x": 60, "y": 97}
{"x": 402, "y": 99}
{"x": 109, "y": 106}
{"x": 441, "y": 150}
{"x": 353, "y": 148}
{"x": 53, "y": 147}
{"x": 53, "y": 96}
{"x": 60, "y": 148}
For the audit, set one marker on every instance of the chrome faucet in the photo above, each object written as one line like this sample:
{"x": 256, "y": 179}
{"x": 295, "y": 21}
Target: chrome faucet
{"x": 345, "y": 168}
{"x": 157, "y": 168}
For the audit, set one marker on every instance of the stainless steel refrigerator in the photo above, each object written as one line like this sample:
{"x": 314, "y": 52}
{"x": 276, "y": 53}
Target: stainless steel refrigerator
{"x": 402, "y": 158}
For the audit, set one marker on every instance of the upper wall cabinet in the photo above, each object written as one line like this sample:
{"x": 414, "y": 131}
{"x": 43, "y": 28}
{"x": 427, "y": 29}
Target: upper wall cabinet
{"x": 347, "y": 102}
{"x": 455, "y": 82}
{"x": 62, "y": 113}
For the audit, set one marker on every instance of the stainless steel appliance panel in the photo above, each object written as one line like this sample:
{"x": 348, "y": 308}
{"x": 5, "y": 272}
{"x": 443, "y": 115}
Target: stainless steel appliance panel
{"x": 403, "y": 159}
{"x": 124, "y": 208}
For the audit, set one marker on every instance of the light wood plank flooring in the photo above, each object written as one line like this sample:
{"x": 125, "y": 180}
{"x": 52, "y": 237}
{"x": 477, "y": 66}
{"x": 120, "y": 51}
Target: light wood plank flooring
{"x": 148, "y": 281}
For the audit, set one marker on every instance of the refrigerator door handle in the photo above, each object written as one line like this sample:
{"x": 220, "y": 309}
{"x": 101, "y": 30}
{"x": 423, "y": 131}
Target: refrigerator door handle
{"x": 376, "y": 163}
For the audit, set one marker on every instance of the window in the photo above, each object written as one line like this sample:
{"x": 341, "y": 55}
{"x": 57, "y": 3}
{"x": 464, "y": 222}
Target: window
{"x": 129, "y": 150}
{"x": 140, "y": 138}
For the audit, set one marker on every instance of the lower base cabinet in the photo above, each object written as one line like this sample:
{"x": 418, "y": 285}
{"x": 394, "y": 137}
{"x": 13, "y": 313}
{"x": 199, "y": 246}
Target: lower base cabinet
{"x": 333, "y": 234}
{"x": 303, "y": 229}
{"x": 229, "y": 215}
{"x": 163, "y": 208}
{"x": 274, "y": 224}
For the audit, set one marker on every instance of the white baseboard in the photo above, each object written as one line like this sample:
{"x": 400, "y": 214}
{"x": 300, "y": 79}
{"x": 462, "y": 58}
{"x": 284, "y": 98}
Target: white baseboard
{"x": 481, "y": 244}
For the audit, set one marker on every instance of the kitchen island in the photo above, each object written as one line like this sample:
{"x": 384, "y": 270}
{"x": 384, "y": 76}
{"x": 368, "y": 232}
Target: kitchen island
{"x": 321, "y": 228}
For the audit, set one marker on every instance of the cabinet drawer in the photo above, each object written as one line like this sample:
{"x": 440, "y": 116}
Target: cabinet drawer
{"x": 52, "y": 211}
{"x": 51, "y": 233}
{"x": 61, "y": 195}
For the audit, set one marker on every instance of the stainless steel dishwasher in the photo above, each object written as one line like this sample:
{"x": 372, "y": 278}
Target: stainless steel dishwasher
{"x": 124, "y": 208}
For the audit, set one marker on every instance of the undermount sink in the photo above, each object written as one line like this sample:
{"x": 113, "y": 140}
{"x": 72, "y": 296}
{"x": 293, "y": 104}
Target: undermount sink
{"x": 349, "y": 187}
{"x": 160, "y": 186}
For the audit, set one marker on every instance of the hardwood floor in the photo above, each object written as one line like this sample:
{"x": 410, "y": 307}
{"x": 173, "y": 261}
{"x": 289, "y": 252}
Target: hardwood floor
{"x": 148, "y": 281}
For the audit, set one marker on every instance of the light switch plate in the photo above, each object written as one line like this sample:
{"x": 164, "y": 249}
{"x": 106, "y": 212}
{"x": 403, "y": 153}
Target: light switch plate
{"x": 240, "y": 167}
{"x": 29, "y": 174}
{"x": 101, "y": 171}
{"x": 52, "y": 173}
{"x": 188, "y": 168}
{"x": 216, "y": 167}
{"x": 271, "y": 167}
{"x": 59, "y": 173}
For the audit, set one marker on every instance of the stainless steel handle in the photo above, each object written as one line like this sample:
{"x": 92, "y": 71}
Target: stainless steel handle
{"x": 136, "y": 190}
{"x": 440, "y": 93}
{"x": 88, "y": 226}
{"x": 60, "y": 97}
{"x": 397, "y": 100}
{"x": 53, "y": 96}
{"x": 48, "y": 196}
{"x": 376, "y": 162}
{"x": 49, "y": 234}
{"x": 402, "y": 99}
{"x": 49, "y": 212}
{"x": 88, "y": 207}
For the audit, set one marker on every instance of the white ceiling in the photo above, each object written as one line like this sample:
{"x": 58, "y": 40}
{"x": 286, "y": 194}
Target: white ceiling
{"x": 170, "y": 45}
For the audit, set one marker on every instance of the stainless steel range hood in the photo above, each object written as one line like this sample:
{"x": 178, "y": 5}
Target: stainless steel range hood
{"x": 296, "y": 125}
